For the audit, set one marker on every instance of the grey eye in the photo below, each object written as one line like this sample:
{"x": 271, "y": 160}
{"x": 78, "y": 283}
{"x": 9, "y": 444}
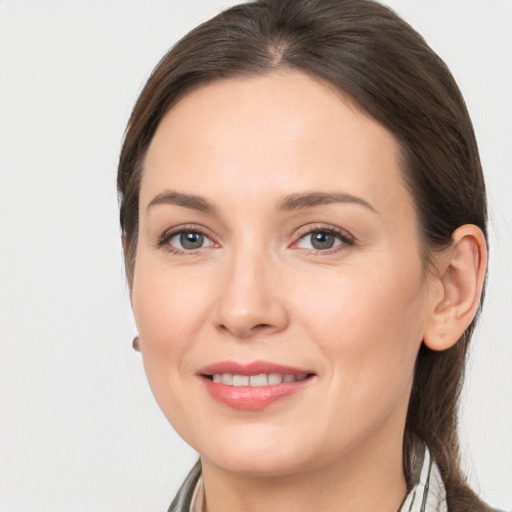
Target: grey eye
{"x": 320, "y": 240}
{"x": 189, "y": 240}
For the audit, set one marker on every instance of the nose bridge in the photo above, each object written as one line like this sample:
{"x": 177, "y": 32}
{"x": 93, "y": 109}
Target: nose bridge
{"x": 249, "y": 301}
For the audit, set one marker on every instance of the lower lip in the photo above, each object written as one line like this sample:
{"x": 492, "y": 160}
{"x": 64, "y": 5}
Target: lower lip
{"x": 252, "y": 398}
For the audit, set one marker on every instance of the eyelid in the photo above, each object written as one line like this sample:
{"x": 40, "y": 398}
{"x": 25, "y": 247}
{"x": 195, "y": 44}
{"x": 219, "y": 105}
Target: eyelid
{"x": 163, "y": 240}
{"x": 347, "y": 238}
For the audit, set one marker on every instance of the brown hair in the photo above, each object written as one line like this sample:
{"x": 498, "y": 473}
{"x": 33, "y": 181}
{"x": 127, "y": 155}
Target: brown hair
{"x": 386, "y": 68}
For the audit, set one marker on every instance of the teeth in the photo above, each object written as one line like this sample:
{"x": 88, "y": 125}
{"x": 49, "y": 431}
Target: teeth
{"x": 240, "y": 380}
{"x": 263, "y": 379}
{"x": 275, "y": 378}
{"x": 227, "y": 378}
{"x": 259, "y": 380}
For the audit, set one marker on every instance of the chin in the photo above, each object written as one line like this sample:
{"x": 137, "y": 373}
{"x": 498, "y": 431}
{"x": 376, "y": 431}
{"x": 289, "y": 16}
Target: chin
{"x": 253, "y": 453}
{"x": 260, "y": 465}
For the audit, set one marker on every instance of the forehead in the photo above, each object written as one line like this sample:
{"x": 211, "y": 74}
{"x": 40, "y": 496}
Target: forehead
{"x": 268, "y": 135}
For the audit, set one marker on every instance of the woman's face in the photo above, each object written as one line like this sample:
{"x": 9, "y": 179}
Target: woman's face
{"x": 279, "y": 290}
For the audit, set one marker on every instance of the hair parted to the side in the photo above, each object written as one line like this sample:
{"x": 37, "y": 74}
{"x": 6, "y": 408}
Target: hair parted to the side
{"x": 378, "y": 61}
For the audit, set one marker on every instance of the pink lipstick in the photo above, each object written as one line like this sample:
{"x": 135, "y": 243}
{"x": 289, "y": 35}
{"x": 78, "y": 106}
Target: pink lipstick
{"x": 253, "y": 386}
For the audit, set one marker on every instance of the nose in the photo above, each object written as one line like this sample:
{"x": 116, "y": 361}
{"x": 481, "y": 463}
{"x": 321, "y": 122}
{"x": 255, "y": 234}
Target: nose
{"x": 251, "y": 301}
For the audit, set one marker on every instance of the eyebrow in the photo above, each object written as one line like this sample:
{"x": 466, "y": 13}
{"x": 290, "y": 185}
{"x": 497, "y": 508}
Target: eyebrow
{"x": 312, "y": 199}
{"x": 186, "y": 200}
{"x": 291, "y": 202}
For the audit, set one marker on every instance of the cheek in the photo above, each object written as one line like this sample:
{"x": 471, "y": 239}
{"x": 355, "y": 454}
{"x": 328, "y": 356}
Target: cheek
{"x": 369, "y": 332}
{"x": 369, "y": 326}
{"x": 355, "y": 300}
{"x": 169, "y": 310}
{"x": 167, "y": 305}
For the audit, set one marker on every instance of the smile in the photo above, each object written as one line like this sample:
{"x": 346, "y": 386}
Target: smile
{"x": 253, "y": 386}
{"x": 262, "y": 379}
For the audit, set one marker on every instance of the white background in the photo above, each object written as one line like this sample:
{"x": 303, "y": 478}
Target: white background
{"x": 79, "y": 429}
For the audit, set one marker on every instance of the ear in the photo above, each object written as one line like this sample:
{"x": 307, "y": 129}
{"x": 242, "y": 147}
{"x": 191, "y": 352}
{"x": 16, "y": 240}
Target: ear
{"x": 461, "y": 274}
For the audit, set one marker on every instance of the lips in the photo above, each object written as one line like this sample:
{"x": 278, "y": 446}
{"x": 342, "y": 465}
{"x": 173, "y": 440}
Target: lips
{"x": 255, "y": 385}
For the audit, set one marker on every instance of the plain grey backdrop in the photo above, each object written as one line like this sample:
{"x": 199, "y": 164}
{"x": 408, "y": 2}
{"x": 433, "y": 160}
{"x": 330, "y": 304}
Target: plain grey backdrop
{"x": 79, "y": 429}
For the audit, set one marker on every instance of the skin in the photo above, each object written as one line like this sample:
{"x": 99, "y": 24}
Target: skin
{"x": 355, "y": 315}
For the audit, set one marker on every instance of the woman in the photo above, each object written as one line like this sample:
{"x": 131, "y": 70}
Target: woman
{"x": 304, "y": 226}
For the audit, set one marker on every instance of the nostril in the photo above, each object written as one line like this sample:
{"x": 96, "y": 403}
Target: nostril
{"x": 246, "y": 331}
{"x": 261, "y": 327}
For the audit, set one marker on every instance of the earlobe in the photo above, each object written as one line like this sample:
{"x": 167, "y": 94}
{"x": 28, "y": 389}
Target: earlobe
{"x": 461, "y": 275}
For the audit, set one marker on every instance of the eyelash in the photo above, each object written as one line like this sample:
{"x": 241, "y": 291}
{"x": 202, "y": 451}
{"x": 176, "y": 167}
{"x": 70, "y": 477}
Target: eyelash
{"x": 169, "y": 235}
{"x": 346, "y": 238}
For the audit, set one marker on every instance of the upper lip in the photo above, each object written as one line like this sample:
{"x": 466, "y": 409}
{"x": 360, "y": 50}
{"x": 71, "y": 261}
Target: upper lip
{"x": 252, "y": 368}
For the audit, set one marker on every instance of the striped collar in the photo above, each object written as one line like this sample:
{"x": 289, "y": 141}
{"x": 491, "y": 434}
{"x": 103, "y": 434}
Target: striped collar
{"x": 426, "y": 495}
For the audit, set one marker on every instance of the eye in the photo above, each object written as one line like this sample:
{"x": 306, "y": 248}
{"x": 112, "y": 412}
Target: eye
{"x": 189, "y": 240}
{"x": 323, "y": 240}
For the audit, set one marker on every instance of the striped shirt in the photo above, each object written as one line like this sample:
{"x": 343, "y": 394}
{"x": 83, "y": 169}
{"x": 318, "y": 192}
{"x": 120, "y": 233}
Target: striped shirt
{"x": 426, "y": 495}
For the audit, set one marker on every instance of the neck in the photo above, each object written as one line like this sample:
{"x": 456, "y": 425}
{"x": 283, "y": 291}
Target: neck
{"x": 370, "y": 478}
